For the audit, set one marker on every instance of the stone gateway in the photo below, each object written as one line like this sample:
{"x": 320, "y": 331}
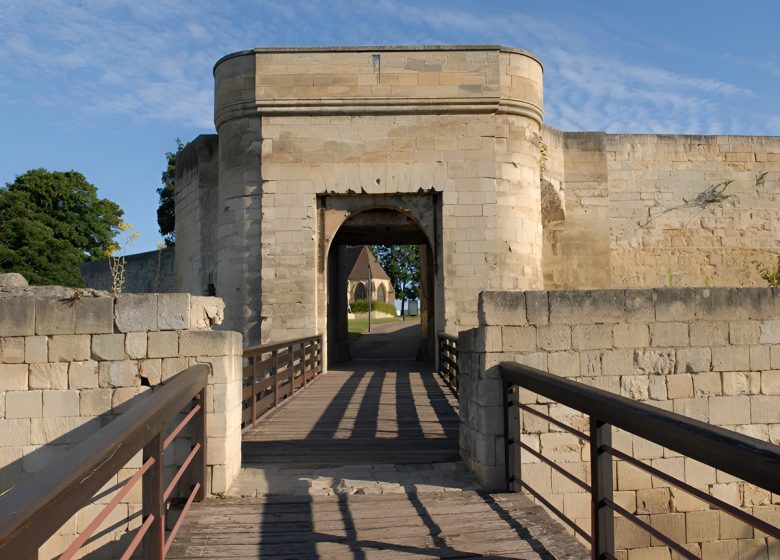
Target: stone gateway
{"x": 445, "y": 147}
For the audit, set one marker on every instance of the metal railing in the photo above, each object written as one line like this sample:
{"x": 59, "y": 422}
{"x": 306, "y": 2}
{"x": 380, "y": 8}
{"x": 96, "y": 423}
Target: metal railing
{"x": 752, "y": 460}
{"x": 276, "y": 371}
{"x": 34, "y": 510}
{"x": 448, "y": 360}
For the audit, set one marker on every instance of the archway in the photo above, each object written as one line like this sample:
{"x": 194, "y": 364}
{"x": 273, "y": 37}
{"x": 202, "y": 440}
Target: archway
{"x": 359, "y": 292}
{"x": 381, "y": 226}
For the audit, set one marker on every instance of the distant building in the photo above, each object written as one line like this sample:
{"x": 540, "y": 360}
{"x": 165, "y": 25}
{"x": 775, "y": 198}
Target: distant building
{"x": 359, "y": 260}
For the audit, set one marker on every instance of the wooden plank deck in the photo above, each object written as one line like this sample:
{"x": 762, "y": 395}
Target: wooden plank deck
{"x": 364, "y": 464}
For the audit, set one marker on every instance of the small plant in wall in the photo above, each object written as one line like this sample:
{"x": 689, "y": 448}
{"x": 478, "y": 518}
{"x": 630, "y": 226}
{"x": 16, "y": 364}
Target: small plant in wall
{"x": 116, "y": 261}
{"x": 769, "y": 273}
{"x": 714, "y": 194}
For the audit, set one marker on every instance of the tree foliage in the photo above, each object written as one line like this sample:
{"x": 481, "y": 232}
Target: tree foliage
{"x": 402, "y": 264}
{"x": 166, "y": 211}
{"x": 50, "y": 222}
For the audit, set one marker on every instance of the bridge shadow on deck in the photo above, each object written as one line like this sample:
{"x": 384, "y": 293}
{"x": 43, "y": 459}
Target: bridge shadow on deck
{"x": 364, "y": 464}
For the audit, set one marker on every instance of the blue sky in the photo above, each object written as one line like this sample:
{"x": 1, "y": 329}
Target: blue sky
{"x": 106, "y": 86}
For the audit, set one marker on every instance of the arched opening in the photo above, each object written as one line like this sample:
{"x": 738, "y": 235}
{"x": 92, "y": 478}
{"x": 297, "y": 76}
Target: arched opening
{"x": 359, "y": 292}
{"x": 388, "y": 227}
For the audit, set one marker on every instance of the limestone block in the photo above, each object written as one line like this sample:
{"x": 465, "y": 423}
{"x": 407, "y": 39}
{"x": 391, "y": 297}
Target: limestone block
{"x": 94, "y": 315}
{"x": 13, "y": 432}
{"x": 697, "y": 409}
{"x": 754, "y": 549}
{"x": 702, "y": 526}
{"x": 23, "y": 404}
{"x": 123, "y": 398}
{"x": 214, "y": 343}
{"x": 108, "y": 347}
{"x": 770, "y": 332}
{"x": 728, "y": 411}
{"x": 759, "y": 358}
{"x": 118, "y": 374}
{"x": 224, "y": 369}
{"x": 656, "y": 388}
{"x": 679, "y": 386}
{"x": 731, "y": 528}
{"x": 518, "y": 339}
{"x": 656, "y": 362}
{"x": 743, "y": 332}
{"x": 173, "y": 311}
{"x": 135, "y": 345}
{"x": 741, "y": 383}
{"x": 554, "y": 337}
{"x": 60, "y": 403}
{"x": 640, "y": 306}
{"x": 223, "y": 423}
{"x": 502, "y": 308}
{"x": 54, "y": 316}
{"x": 763, "y": 409}
{"x": 718, "y": 550}
{"x": 631, "y": 335}
{"x": 36, "y": 349}
{"x": 707, "y": 384}
{"x": 669, "y": 334}
{"x": 94, "y": 402}
{"x": 151, "y": 370}
{"x": 537, "y": 308}
{"x": 69, "y": 347}
{"x": 12, "y": 350}
{"x": 173, "y": 366}
{"x": 754, "y": 496}
{"x": 676, "y": 304}
{"x": 561, "y": 447}
{"x": 591, "y": 337}
{"x": 628, "y": 535}
{"x": 206, "y": 312}
{"x": 774, "y": 357}
{"x": 692, "y": 360}
{"x": 634, "y": 387}
{"x": 83, "y": 375}
{"x": 599, "y": 306}
{"x": 163, "y": 344}
{"x": 709, "y": 333}
{"x": 731, "y": 358}
{"x": 770, "y": 382}
{"x": 670, "y": 524}
{"x": 49, "y": 376}
{"x": 223, "y": 397}
{"x": 564, "y": 364}
{"x": 653, "y": 500}
{"x": 617, "y": 362}
{"x": 17, "y": 316}
{"x": 65, "y": 430}
{"x": 13, "y": 377}
{"x": 136, "y": 312}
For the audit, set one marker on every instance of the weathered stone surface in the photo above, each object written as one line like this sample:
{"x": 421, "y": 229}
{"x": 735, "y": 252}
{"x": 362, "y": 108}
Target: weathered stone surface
{"x": 213, "y": 343}
{"x": 12, "y": 350}
{"x": 83, "y": 375}
{"x": 10, "y": 280}
{"x": 118, "y": 374}
{"x": 54, "y": 316}
{"x": 136, "y": 345}
{"x": 49, "y": 376}
{"x": 163, "y": 344}
{"x": 94, "y": 315}
{"x": 17, "y": 316}
{"x": 13, "y": 377}
{"x": 173, "y": 311}
{"x": 69, "y": 347}
{"x": 206, "y": 312}
{"x": 136, "y": 312}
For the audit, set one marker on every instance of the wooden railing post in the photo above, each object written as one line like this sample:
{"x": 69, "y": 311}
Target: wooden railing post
{"x": 152, "y": 500}
{"x": 303, "y": 361}
{"x": 320, "y": 364}
{"x": 602, "y": 523}
{"x": 274, "y": 376}
{"x": 511, "y": 437}
{"x": 253, "y": 384}
{"x": 200, "y": 468}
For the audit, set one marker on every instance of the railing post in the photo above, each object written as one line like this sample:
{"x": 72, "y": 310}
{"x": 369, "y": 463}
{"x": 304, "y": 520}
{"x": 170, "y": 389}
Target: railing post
{"x": 511, "y": 437}
{"x": 320, "y": 365}
{"x": 274, "y": 376}
{"x": 253, "y": 384}
{"x": 602, "y": 522}
{"x": 303, "y": 361}
{"x": 152, "y": 500}
{"x": 200, "y": 469}
{"x": 291, "y": 368}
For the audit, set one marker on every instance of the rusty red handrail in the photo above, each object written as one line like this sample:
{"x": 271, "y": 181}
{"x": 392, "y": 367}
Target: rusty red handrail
{"x": 36, "y": 508}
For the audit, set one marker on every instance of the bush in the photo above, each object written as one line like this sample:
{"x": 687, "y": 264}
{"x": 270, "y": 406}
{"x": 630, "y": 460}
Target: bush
{"x": 361, "y": 306}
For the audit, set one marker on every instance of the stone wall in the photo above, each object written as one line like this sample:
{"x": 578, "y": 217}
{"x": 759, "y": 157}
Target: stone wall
{"x": 709, "y": 354}
{"x": 637, "y": 212}
{"x": 149, "y": 272}
{"x": 71, "y": 360}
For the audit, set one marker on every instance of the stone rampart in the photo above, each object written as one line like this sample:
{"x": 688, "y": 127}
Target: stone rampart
{"x": 71, "y": 360}
{"x": 709, "y": 354}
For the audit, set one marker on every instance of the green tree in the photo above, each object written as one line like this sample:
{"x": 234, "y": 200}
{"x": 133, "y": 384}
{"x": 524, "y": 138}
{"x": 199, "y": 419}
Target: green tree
{"x": 50, "y": 222}
{"x": 166, "y": 211}
{"x": 402, "y": 264}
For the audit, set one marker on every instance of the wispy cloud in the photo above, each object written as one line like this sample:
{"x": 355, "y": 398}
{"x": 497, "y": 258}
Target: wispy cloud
{"x": 152, "y": 59}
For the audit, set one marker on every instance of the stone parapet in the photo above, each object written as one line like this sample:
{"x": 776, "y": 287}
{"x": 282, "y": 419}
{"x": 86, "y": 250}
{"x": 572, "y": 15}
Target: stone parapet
{"x": 71, "y": 360}
{"x": 709, "y": 354}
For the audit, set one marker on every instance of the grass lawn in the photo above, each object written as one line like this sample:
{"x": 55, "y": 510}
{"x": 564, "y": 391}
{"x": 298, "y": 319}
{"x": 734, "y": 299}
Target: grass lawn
{"x": 356, "y": 327}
